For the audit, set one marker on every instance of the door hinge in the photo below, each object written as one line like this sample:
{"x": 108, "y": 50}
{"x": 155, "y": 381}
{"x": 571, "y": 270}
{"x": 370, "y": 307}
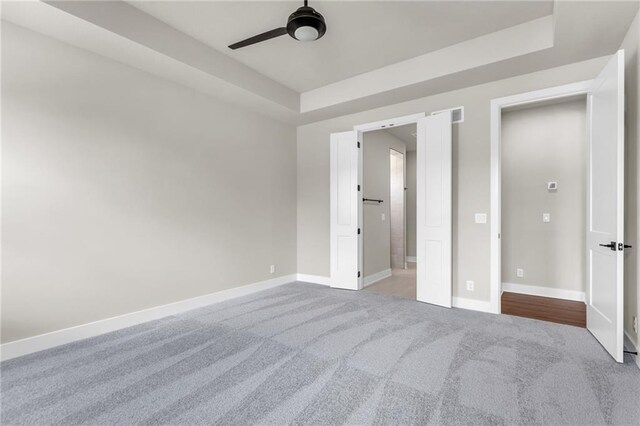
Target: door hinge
{"x": 358, "y": 144}
{"x": 358, "y": 187}
{"x": 358, "y": 231}
{"x": 358, "y": 274}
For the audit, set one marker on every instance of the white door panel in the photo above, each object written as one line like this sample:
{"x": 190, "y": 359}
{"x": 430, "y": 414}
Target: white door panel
{"x": 433, "y": 202}
{"x": 605, "y": 202}
{"x": 345, "y": 207}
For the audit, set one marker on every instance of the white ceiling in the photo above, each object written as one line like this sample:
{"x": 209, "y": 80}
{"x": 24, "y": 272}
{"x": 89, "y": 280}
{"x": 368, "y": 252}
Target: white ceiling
{"x": 361, "y": 36}
{"x": 406, "y": 134}
{"x": 361, "y": 64}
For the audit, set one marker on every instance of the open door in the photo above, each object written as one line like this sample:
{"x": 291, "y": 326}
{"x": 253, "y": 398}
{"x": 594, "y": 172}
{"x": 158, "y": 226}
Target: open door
{"x": 433, "y": 202}
{"x": 346, "y": 264}
{"x": 605, "y": 202}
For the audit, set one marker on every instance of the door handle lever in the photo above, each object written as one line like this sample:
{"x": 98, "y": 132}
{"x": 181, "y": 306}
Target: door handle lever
{"x": 611, "y": 245}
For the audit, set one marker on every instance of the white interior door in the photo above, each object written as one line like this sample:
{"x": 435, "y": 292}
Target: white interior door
{"x": 345, "y": 210}
{"x": 605, "y": 207}
{"x": 433, "y": 202}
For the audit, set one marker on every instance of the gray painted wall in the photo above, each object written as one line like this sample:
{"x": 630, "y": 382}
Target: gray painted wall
{"x": 541, "y": 144}
{"x": 122, "y": 191}
{"x": 375, "y": 184}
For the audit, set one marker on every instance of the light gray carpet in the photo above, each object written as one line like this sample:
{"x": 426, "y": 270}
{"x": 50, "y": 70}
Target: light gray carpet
{"x": 306, "y": 354}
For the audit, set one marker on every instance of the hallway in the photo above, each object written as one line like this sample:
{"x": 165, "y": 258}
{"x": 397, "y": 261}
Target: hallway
{"x": 401, "y": 283}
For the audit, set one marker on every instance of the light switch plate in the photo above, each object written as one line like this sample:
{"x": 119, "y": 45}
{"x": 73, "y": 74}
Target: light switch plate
{"x": 383, "y": 216}
{"x": 546, "y": 217}
{"x": 481, "y": 218}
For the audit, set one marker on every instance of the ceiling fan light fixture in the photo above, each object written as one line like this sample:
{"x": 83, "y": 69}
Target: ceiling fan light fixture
{"x": 306, "y": 33}
{"x": 305, "y": 24}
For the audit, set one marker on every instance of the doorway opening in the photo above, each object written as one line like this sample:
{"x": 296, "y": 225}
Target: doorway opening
{"x": 433, "y": 205}
{"x": 389, "y": 211}
{"x": 543, "y": 207}
{"x": 604, "y": 200}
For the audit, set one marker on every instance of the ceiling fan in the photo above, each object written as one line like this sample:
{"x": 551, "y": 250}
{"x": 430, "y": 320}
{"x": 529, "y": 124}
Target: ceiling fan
{"x": 305, "y": 24}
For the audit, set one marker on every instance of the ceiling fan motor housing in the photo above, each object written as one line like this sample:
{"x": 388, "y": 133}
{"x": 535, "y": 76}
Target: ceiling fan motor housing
{"x": 306, "y": 16}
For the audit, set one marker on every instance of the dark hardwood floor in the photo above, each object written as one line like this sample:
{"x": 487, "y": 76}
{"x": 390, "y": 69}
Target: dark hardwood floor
{"x": 545, "y": 308}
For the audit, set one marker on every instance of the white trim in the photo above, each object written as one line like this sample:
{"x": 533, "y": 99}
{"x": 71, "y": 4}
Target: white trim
{"x": 631, "y": 344}
{"x": 392, "y": 122}
{"x": 411, "y": 259}
{"x": 471, "y": 304}
{"x": 460, "y": 108}
{"x": 378, "y": 276}
{"x": 544, "y": 95}
{"x": 360, "y": 139}
{"x": 83, "y": 331}
{"x": 497, "y": 105}
{"x": 538, "y": 290}
{"x": 313, "y": 279}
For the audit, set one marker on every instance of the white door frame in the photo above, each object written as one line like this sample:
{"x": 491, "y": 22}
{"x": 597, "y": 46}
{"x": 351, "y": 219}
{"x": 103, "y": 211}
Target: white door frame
{"x": 497, "y": 105}
{"x": 370, "y": 127}
{"x": 404, "y": 205}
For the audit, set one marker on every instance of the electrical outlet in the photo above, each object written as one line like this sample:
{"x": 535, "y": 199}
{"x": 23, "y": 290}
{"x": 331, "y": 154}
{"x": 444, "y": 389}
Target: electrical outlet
{"x": 272, "y": 269}
{"x": 481, "y": 218}
{"x": 635, "y": 324}
{"x": 546, "y": 217}
{"x": 520, "y": 273}
{"x": 470, "y": 285}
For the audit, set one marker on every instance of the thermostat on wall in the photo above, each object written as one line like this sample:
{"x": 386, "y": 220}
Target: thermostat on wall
{"x": 552, "y": 186}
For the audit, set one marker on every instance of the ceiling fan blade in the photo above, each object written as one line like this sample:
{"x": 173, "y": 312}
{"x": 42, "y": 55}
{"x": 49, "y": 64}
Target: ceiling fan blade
{"x": 260, "y": 37}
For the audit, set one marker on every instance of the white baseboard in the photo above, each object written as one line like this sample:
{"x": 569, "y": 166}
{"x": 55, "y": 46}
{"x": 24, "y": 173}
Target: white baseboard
{"x": 313, "y": 279}
{"x": 374, "y": 278}
{"x": 535, "y": 290}
{"x": 631, "y": 344}
{"x": 471, "y": 304}
{"x": 60, "y": 337}
{"x": 411, "y": 259}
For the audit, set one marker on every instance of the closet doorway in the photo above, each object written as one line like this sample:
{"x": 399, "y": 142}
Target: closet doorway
{"x": 603, "y": 253}
{"x": 433, "y": 205}
{"x": 543, "y": 199}
{"x": 388, "y": 186}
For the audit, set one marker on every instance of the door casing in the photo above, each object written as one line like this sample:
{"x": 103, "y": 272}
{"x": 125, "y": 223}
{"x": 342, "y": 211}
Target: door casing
{"x": 497, "y": 105}
{"x": 434, "y": 139}
{"x": 360, "y": 130}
